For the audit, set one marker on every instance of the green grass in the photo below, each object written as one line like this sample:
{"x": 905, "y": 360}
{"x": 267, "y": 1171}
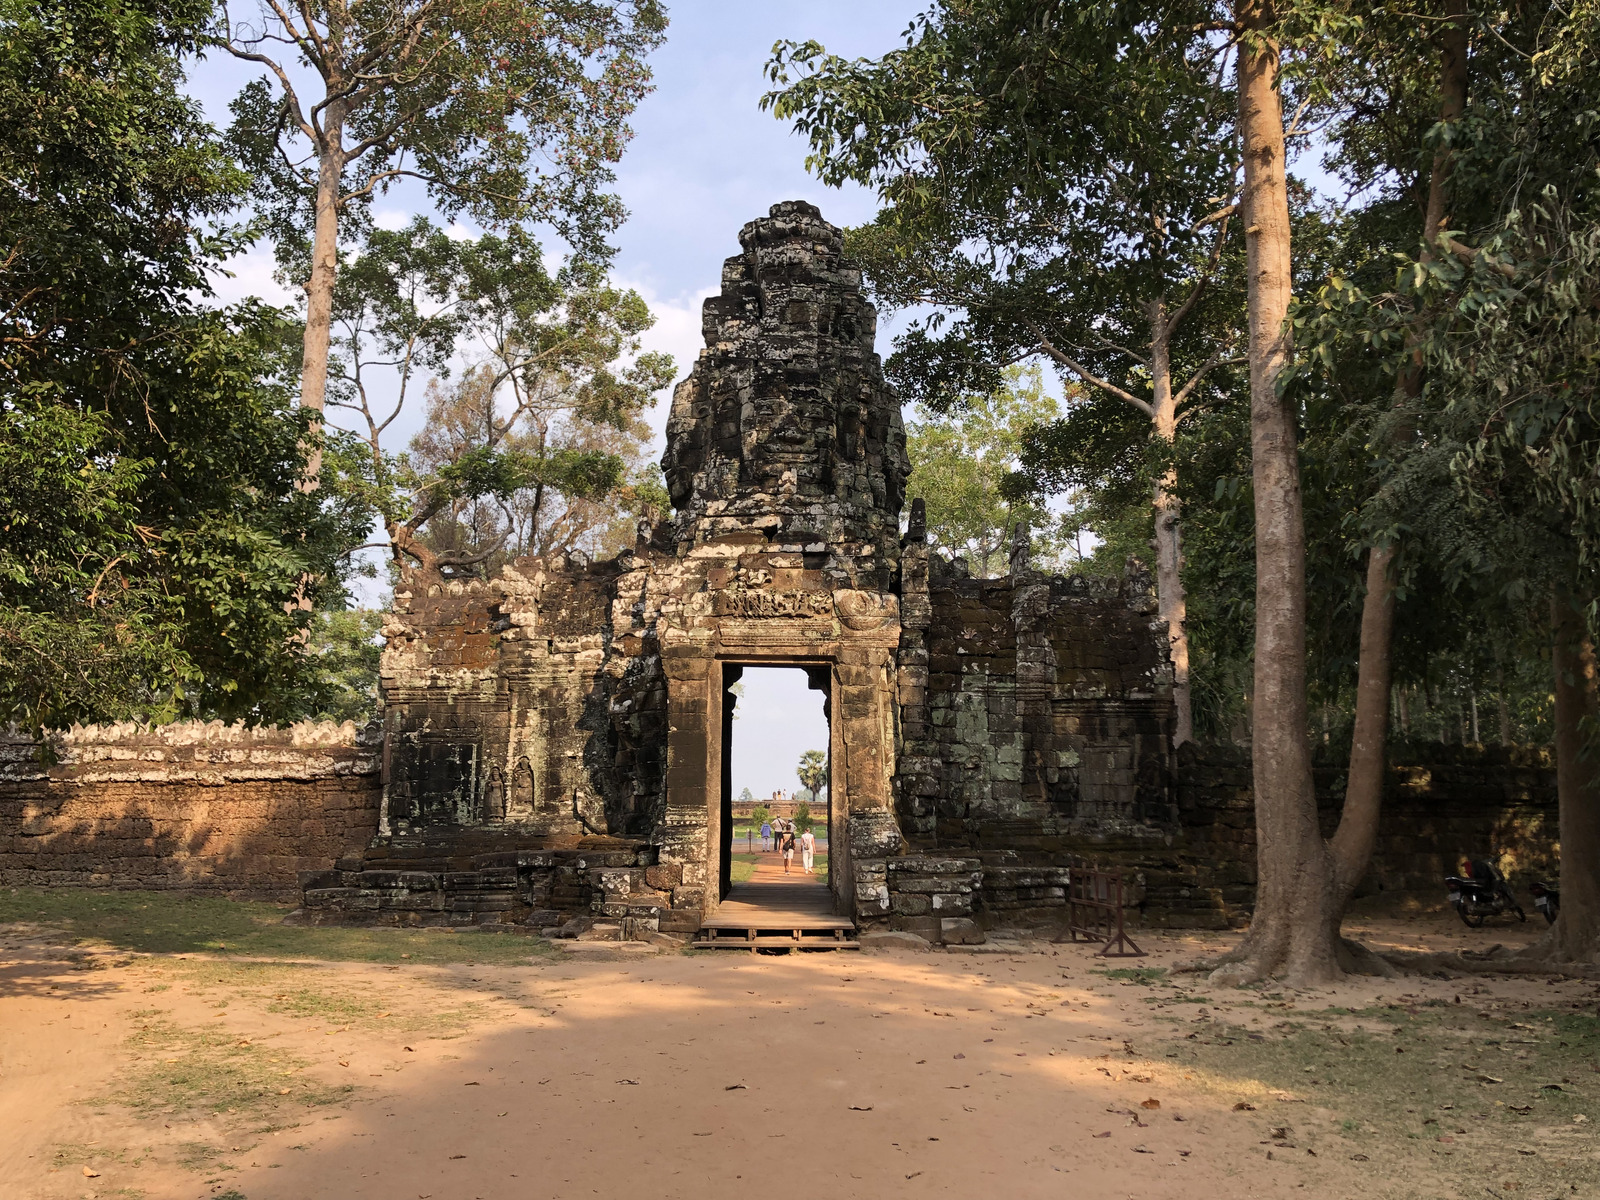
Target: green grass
{"x": 1430, "y": 1091}
{"x": 172, "y": 923}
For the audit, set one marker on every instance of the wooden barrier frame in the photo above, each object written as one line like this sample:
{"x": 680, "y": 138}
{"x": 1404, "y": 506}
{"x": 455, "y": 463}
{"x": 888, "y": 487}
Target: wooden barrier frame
{"x": 1094, "y": 911}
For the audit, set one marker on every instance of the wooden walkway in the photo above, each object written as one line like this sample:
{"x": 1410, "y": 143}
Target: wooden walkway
{"x": 776, "y": 911}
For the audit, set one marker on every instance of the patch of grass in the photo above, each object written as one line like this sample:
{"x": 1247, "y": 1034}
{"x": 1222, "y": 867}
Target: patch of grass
{"x": 1441, "y": 1092}
{"x": 184, "y": 1068}
{"x": 173, "y": 923}
{"x": 87, "y": 1152}
{"x": 1135, "y": 974}
{"x": 743, "y": 867}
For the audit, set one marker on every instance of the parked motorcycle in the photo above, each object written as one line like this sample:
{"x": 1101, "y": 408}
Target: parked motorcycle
{"x": 1481, "y": 893}
{"x": 1547, "y": 899}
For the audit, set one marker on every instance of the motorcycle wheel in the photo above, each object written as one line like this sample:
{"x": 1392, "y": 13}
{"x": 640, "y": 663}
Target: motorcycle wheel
{"x": 1471, "y": 920}
{"x": 1551, "y": 912}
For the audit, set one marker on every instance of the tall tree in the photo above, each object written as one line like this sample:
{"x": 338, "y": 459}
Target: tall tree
{"x": 1410, "y": 67}
{"x": 1289, "y": 930}
{"x": 1027, "y": 200}
{"x": 521, "y": 454}
{"x": 1514, "y": 346}
{"x": 510, "y": 112}
{"x": 151, "y": 531}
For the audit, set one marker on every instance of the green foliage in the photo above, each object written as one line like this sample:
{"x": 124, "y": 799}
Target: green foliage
{"x": 961, "y": 467}
{"x": 803, "y": 820}
{"x": 533, "y": 449}
{"x": 760, "y": 815}
{"x": 153, "y": 540}
{"x": 347, "y": 649}
{"x": 1023, "y": 194}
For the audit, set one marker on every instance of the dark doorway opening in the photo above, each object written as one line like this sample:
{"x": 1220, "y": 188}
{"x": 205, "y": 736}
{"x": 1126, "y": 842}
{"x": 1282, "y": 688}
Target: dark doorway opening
{"x": 772, "y": 714}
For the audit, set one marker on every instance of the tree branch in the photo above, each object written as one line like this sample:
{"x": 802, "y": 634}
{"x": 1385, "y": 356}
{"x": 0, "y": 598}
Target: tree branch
{"x": 1216, "y": 360}
{"x": 1088, "y": 376}
{"x": 1205, "y": 277}
{"x": 1469, "y": 255}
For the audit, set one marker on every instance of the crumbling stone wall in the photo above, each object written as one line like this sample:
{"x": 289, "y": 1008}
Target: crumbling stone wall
{"x": 786, "y": 427}
{"x": 1036, "y": 721}
{"x": 209, "y": 808}
{"x": 567, "y": 701}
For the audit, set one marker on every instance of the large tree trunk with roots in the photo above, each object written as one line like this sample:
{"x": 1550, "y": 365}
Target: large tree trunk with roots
{"x": 1295, "y": 925}
{"x": 1358, "y": 823}
{"x": 1575, "y": 937}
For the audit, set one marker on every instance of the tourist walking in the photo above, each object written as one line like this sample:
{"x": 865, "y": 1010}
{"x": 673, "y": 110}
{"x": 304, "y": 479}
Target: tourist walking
{"x": 808, "y": 850}
{"x": 766, "y": 835}
{"x": 788, "y": 851}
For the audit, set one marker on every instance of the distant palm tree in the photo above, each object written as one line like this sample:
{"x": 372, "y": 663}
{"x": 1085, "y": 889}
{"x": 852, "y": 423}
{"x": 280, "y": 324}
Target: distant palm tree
{"x": 813, "y": 771}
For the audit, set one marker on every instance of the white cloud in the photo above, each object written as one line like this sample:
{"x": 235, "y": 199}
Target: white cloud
{"x": 250, "y": 274}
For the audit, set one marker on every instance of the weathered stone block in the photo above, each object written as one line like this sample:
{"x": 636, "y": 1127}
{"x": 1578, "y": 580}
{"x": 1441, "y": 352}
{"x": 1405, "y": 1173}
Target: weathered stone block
{"x": 960, "y": 931}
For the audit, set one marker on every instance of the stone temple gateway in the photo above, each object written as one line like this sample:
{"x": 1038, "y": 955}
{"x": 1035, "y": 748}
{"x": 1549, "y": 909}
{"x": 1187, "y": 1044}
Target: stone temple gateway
{"x": 556, "y": 739}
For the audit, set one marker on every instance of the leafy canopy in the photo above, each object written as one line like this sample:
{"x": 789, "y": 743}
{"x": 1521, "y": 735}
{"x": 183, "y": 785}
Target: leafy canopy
{"x": 152, "y": 540}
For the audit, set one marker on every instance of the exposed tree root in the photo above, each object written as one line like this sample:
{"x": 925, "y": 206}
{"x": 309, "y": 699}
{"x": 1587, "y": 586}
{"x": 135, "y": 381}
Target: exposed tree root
{"x": 1356, "y": 958}
{"x": 1490, "y": 963}
{"x": 1208, "y": 965}
{"x": 1240, "y": 966}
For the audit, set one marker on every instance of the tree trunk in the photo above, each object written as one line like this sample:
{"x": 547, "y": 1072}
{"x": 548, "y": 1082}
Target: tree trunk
{"x": 1363, "y": 799}
{"x": 1293, "y": 929}
{"x": 319, "y": 287}
{"x": 1576, "y": 934}
{"x": 1502, "y": 710}
{"x": 1352, "y": 842}
{"x": 1171, "y": 604}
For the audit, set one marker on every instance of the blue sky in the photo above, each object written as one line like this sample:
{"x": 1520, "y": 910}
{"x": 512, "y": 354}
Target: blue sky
{"x": 778, "y": 719}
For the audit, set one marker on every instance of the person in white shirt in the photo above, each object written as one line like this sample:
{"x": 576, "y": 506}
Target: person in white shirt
{"x": 808, "y": 848}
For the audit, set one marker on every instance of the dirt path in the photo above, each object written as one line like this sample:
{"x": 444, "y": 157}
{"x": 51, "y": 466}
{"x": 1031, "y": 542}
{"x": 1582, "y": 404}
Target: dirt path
{"x": 1015, "y": 1074}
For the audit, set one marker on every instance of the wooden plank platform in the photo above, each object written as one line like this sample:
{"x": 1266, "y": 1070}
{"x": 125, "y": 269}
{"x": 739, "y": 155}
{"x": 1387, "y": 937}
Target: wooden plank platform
{"x": 772, "y": 911}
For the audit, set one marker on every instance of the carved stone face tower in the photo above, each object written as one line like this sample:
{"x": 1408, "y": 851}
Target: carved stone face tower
{"x": 786, "y": 427}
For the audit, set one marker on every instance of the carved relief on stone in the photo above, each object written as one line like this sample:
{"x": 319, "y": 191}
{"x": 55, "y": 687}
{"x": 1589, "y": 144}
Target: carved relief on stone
{"x": 863, "y": 611}
{"x": 802, "y": 635}
{"x": 772, "y": 604}
{"x": 494, "y": 796}
{"x": 522, "y": 788}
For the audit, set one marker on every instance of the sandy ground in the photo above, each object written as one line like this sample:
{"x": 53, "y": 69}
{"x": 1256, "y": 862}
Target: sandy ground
{"x": 1002, "y": 1073}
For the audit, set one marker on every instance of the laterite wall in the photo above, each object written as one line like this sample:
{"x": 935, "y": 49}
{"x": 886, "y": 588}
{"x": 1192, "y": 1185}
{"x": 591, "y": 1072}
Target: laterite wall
{"x": 208, "y": 808}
